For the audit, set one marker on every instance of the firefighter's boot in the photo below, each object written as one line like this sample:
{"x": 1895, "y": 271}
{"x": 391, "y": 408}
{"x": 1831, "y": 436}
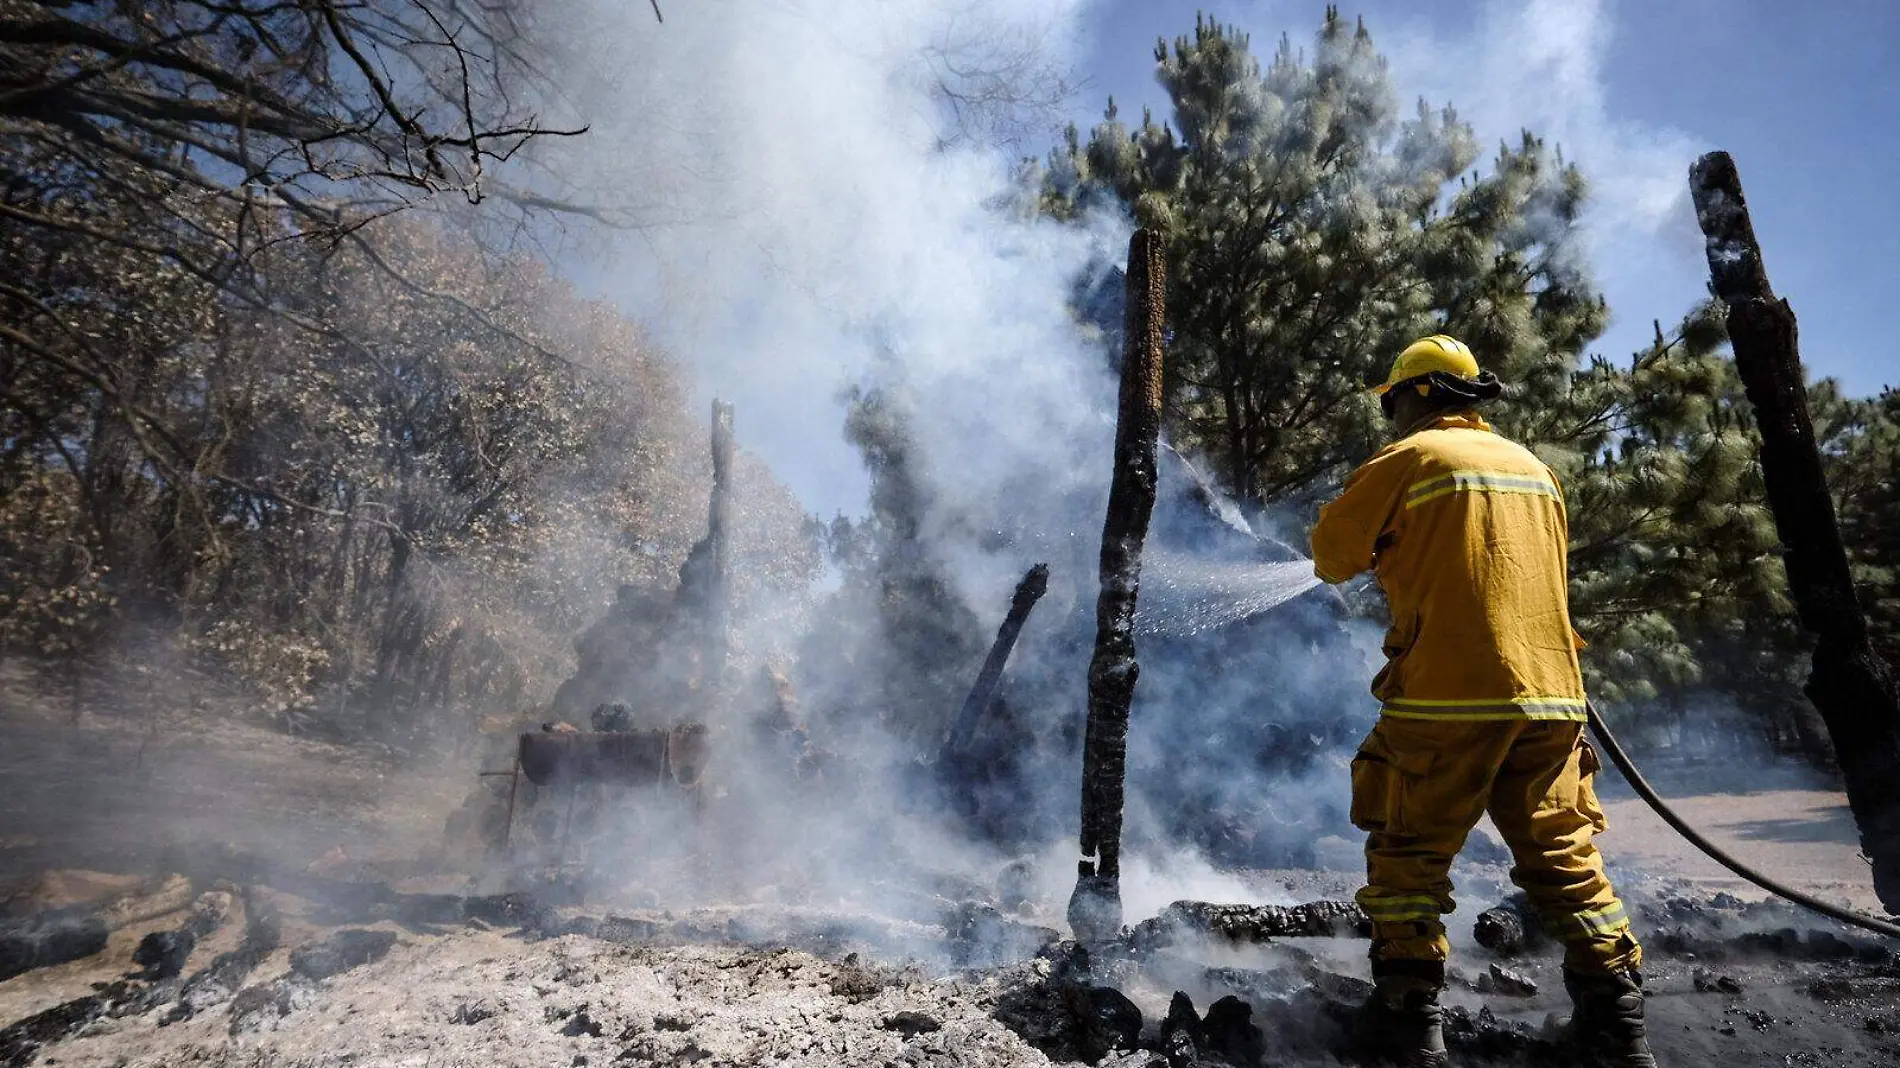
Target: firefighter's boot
{"x": 1607, "y": 1026}
{"x": 1401, "y": 1023}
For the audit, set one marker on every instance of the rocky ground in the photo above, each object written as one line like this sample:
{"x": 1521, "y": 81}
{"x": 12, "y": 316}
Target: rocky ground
{"x": 290, "y": 937}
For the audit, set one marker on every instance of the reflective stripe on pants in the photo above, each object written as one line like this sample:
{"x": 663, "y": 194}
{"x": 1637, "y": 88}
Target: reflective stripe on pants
{"x": 1420, "y": 786}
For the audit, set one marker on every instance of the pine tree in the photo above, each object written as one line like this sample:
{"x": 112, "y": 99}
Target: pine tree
{"x": 1865, "y": 478}
{"x": 1312, "y": 236}
{"x": 1672, "y": 545}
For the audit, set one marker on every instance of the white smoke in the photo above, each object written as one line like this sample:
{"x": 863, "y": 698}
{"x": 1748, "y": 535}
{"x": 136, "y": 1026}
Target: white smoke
{"x": 1544, "y": 66}
{"x": 823, "y": 204}
{"x": 824, "y": 222}
{"x": 816, "y": 219}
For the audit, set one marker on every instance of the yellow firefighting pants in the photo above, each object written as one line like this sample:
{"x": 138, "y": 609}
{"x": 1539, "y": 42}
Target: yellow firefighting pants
{"x": 1418, "y": 787}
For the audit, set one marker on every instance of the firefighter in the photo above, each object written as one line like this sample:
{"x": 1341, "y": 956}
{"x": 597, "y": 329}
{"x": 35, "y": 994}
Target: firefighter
{"x": 1482, "y": 707}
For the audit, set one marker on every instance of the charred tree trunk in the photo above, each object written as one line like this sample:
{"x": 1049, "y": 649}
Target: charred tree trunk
{"x": 1095, "y": 909}
{"x": 1028, "y": 592}
{"x": 703, "y": 589}
{"x": 1852, "y": 688}
{"x": 719, "y": 533}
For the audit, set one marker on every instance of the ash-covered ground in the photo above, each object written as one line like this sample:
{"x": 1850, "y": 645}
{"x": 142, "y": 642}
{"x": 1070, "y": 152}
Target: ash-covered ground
{"x": 269, "y": 901}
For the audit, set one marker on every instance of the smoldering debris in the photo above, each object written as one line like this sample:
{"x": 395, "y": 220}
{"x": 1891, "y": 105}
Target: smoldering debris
{"x": 984, "y": 970}
{"x": 1200, "y": 984}
{"x": 74, "y": 931}
{"x": 220, "y": 981}
{"x": 162, "y": 954}
{"x": 40, "y": 943}
{"x": 349, "y": 948}
{"x": 21, "y": 1041}
{"x": 263, "y": 1006}
{"x": 1243, "y": 924}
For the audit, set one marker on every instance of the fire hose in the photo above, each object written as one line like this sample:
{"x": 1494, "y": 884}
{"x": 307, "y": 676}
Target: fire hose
{"x": 1648, "y": 793}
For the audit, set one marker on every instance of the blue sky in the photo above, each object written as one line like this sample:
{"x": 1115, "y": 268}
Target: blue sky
{"x": 1806, "y": 97}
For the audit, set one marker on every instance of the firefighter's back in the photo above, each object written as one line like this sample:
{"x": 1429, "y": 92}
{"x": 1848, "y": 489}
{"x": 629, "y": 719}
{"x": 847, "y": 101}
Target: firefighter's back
{"x": 1479, "y": 566}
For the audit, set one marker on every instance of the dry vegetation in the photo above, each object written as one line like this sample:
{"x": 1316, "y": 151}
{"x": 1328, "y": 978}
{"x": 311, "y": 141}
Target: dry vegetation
{"x": 268, "y": 412}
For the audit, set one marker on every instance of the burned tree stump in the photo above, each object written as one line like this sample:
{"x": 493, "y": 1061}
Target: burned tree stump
{"x": 703, "y": 591}
{"x": 1851, "y": 686}
{"x": 1095, "y": 909}
{"x": 1028, "y": 592}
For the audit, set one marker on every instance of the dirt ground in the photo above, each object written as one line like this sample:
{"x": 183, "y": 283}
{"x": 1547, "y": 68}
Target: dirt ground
{"x": 1791, "y": 822}
{"x": 759, "y": 984}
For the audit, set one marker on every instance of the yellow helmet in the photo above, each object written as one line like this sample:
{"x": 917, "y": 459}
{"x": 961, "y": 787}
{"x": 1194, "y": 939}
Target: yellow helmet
{"x": 1440, "y": 352}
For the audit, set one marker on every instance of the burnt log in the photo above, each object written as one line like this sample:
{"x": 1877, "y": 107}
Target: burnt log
{"x": 220, "y": 981}
{"x": 77, "y": 931}
{"x": 1852, "y": 688}
{"x": 162, "y": 954}
{"x": 1251, "y": 924}
{"x": 1095, "y": 909}
{"x": 349, "y": 948}
{"x": 1028, "y": 592}
{"x": 21, "y": 1041}
{"x": 1508, "y": 929}
{"x": 44, "y": 942}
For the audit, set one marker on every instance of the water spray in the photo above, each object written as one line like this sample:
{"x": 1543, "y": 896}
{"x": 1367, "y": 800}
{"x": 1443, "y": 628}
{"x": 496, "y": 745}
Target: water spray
{"x": 1187, "y": 596}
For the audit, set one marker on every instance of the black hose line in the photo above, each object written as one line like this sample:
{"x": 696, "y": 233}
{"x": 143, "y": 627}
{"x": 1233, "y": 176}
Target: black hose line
{"x": 1648, "y": 793}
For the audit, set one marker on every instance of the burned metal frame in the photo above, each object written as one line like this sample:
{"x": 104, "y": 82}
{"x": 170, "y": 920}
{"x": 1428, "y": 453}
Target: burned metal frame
{"x": 677, "y": 754}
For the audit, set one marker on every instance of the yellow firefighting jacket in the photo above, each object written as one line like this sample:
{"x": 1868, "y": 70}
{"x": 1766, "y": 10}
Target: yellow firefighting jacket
{"x": 1466, "y": 534}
